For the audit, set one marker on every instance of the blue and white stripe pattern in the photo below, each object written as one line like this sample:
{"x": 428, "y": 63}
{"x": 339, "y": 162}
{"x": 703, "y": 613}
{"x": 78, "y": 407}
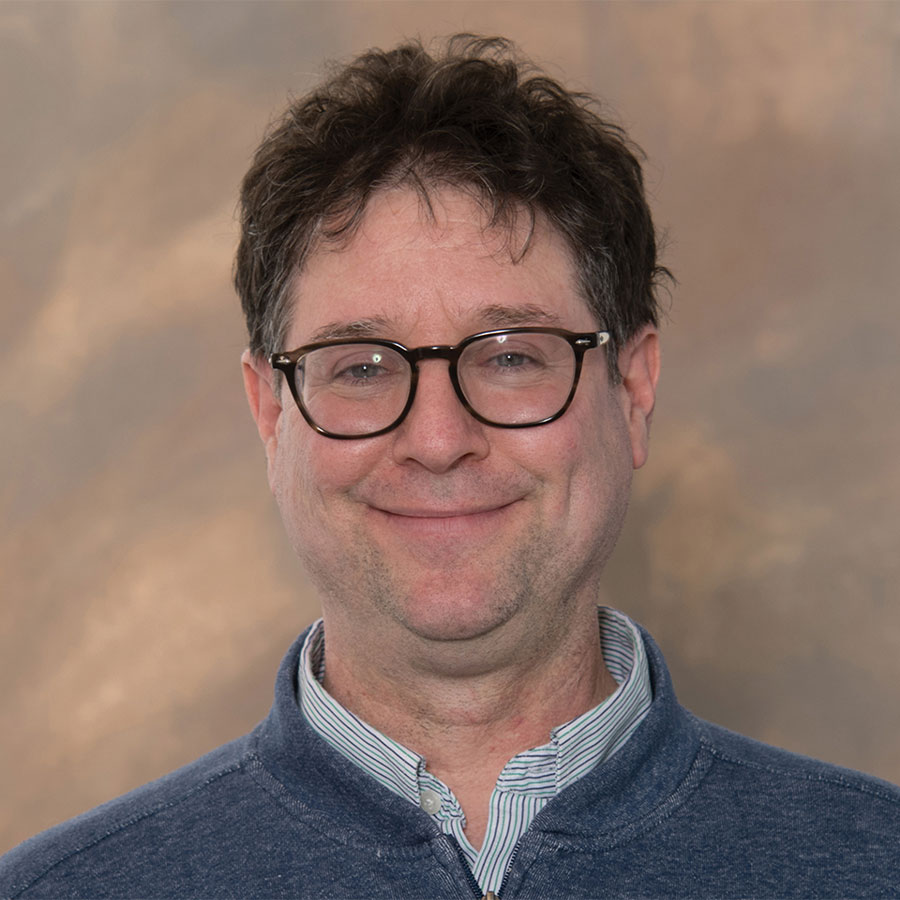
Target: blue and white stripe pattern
{"x": 528, "y": 781}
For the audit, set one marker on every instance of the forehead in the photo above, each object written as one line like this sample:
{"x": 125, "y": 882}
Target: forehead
{"x": 436, "y": 272}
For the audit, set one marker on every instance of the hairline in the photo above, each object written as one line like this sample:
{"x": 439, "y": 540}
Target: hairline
{"x": 500, "y": 214}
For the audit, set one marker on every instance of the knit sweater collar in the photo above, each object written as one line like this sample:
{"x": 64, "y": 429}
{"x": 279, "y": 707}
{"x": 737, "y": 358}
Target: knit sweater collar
{"x": 642, "y": 776}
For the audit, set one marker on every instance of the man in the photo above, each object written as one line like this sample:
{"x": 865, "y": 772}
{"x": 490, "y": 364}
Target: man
{"x": 448, "y": 269}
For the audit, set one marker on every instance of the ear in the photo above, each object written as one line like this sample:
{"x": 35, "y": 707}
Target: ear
{"x": 639, "y": 367}
{"x": 265, "y": 404}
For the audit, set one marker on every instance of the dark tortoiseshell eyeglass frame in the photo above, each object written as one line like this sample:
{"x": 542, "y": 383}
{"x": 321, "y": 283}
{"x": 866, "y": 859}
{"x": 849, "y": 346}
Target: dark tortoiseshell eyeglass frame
{"x": 288, "y": 361}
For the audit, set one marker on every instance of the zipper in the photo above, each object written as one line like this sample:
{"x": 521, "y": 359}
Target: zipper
{"x": 476, "y": 888}
{"x": 509, "y": 866}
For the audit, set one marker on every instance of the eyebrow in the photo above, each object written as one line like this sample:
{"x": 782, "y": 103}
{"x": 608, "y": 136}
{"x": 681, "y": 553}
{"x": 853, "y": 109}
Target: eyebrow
{"x": 491, "y": 316}
{"x": 375, "y": 326}
{"x": 508, "y": 316}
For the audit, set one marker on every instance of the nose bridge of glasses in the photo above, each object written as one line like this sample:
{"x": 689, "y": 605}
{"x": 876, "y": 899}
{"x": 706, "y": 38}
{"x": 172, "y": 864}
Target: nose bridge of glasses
{"x": 435, "y": 351}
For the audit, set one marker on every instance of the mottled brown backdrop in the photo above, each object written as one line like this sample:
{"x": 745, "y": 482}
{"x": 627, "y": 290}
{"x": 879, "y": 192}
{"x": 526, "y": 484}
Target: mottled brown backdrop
{"x": 147, "y": 592}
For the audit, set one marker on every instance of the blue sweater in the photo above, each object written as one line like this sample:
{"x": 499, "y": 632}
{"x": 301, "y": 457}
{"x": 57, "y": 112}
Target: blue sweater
{"x": 685, "y": 808}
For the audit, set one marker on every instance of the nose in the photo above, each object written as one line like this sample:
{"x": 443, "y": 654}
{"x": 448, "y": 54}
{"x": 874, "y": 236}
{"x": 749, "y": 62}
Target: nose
{"x": 438, "y": 432}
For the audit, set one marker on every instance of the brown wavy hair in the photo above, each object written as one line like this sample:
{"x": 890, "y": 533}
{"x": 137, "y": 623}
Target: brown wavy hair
{"x": 476, "y": 116}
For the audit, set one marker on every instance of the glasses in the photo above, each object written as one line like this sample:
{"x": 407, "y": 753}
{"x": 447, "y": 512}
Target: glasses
{"x": 513, "y": 378}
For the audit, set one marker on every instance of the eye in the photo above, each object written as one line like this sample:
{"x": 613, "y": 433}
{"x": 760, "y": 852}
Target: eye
{"x": 363, "y": 371}
{"x": 511, "y": 360}
{"x": 352, "y": 367}
{"x": 508, "y": 359}
{"x": 343, "y": 365}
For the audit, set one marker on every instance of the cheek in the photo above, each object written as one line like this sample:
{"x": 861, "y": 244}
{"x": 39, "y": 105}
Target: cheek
{"x": 293, "y": 474}
{"x": 312, "y": 473}
{"x": 595, "y": 455}
{"x": 562, "y": 459}
{"x": 308, "y": 482}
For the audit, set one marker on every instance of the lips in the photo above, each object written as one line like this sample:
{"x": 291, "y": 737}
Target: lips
{"x": 462, "y": 521}
{"x": 414, "y": 512}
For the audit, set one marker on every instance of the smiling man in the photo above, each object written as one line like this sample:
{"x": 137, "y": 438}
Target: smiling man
{"x": 457, "y": 557}
{"x": 448, "y": 271}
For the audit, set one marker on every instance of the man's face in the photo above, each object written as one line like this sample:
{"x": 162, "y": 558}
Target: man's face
{"x": 446, "y": 529}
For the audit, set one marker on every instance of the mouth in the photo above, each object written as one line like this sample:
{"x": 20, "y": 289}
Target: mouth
{"x": 461, "y": 520}
{"x": 426, "y": 512}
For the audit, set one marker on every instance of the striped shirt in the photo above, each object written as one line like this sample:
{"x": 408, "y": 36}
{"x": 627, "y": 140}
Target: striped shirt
{"x": 528, "y": 781}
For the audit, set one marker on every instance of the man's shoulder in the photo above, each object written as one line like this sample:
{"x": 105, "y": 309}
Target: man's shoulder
{"x": 729, "y": 765}
{"x": 747, "y": 759}
{"x": 811, "y": 804}
{"x": 193, "y": 793}
{"x": 692, "y": 809}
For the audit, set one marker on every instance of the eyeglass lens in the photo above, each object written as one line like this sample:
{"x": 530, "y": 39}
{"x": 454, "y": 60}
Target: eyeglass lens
{"x": 508, "y": 379}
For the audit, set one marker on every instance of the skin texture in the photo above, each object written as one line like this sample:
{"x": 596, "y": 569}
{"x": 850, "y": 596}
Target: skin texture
{"x": 458, "y": 564}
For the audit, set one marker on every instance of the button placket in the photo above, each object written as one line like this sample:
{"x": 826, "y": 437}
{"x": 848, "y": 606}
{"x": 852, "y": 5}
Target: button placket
{"x": 430, "y": 801}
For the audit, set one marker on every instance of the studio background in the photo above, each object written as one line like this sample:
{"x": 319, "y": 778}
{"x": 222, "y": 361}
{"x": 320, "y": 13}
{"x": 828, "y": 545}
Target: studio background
{"x": 147, "y": 591}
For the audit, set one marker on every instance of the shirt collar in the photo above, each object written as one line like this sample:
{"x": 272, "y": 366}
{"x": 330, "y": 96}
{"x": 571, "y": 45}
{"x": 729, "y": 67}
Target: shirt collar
{"x": 575, "y": 747}
{"x": 387, "y": 761}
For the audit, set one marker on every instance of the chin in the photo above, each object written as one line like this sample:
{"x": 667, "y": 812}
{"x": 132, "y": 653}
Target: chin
{"x": 458, "y": 615}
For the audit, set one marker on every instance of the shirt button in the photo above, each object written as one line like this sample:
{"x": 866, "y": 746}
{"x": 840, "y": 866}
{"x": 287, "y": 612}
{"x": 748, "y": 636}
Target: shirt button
{"x": 430, "y": 801}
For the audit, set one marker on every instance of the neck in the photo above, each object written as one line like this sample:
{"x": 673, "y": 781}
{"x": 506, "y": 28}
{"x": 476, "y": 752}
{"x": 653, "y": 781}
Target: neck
{"x": 469, "y": 720}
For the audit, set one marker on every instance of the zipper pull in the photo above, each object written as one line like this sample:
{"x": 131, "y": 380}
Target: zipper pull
{"x": 490, "y": 895}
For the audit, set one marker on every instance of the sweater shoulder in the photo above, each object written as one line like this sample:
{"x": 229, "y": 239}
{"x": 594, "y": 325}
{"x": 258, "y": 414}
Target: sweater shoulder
{"x": 757, "y": 763}
{"x": 191, "y": 788}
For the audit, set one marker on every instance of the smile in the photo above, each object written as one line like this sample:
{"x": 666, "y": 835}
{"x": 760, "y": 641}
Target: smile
{"x": 426, "y": 521}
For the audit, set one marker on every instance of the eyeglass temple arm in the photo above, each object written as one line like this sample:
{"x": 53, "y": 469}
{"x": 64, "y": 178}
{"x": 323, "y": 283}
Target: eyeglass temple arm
{"x": 602, "y": 337}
